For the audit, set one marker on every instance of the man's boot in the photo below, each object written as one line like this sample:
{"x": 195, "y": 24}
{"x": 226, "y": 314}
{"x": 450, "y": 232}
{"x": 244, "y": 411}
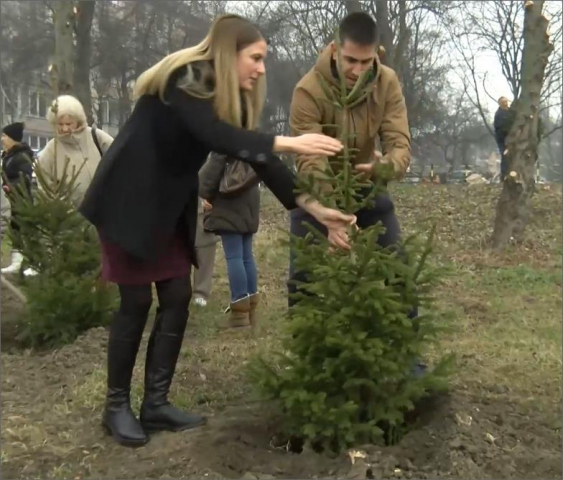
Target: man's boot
{"x": 165, "y": 342}
{"x": 14, "y": 267}
{"x": 118, "y": 418}
{"x": 253, "y": 300}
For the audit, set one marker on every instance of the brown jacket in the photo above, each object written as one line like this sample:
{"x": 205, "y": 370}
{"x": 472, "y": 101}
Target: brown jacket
{"x": 382, "y": 115}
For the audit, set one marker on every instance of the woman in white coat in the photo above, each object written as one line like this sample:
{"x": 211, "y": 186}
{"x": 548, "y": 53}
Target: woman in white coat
{"x": 75, "y": 140}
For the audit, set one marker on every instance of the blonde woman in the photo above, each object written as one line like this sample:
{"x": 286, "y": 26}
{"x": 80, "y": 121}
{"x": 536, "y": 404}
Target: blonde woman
{"x": 144, "y": 201}
{"x": 75, "y": 140}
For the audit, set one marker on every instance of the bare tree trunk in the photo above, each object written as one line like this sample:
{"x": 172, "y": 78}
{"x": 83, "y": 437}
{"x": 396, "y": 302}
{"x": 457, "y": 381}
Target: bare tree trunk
{"x": 82, "y": 85}
{"x": 513, "y": 210}
{"x": 353, "y": 6}
{"x": 403, "y": 36}
{"x": 64, "y": 44}
{"x": 385, "y": 31}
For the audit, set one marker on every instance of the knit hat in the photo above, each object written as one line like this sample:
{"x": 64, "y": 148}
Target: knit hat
{"x": 14, "y": 131}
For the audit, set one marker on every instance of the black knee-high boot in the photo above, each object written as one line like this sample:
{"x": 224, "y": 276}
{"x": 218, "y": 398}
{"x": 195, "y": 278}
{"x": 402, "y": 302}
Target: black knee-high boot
{"x": 118, "y": 419}
{"x": 165, "y": 342}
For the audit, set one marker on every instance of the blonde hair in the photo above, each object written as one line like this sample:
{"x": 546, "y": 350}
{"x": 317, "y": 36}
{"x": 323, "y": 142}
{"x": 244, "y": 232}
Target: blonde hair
{"x": 227, "y": 36}
{"x": 67, "y": 105}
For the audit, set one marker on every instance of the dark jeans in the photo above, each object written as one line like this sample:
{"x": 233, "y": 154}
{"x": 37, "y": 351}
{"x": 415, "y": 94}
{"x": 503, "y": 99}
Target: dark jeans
{"x": 503, "y": 160}
{"x": 241, "y": 268}
{"x": 383, "y": 212}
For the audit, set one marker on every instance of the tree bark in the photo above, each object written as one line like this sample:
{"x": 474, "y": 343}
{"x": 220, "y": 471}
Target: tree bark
{"x": 385, "y": 32}
{"x": 64, "y": 45}
{"x": 353, "y": 6}
{"x": 513, "y": 209}
{"x": 82, "y": 85}
{"x": 403, "y": 37}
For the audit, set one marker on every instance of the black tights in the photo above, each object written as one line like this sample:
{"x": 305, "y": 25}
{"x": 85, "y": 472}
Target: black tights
{"x": 136, "y": 300}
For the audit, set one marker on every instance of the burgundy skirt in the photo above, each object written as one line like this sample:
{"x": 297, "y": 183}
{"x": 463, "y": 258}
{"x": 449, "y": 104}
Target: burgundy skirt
{"x": 122, "y": 268}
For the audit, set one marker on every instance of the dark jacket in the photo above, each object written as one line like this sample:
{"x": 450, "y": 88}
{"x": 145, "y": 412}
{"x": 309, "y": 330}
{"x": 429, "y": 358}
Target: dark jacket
{"x": 146, "y": 185}
{"x": 237, "y": 212}
{"x": 17, "y": 166}
{"x": 503, "y": 123}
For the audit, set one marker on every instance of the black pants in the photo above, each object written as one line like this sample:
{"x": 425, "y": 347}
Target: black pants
{"x": 384, "y": 212}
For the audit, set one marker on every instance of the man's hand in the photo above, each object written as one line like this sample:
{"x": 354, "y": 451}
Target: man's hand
{"x": 379, "y": 167}
{"x": 6, "y": 189}
{"x": 206, "y": 205}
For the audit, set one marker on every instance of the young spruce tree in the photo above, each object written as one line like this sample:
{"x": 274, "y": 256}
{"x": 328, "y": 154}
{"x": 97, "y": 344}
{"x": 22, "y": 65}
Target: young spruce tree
{"x": 345, "y": 375}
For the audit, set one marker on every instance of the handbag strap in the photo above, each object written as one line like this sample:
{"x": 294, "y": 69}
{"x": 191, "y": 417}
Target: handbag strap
{"x": 96, "y": 141}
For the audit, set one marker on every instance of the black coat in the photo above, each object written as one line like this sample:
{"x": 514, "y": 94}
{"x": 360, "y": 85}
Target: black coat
{"x": 503, "y": 123}
{"x": 237, "y": 212}
{"x": 17, "y": 166}
{"x": 146, "y": 185}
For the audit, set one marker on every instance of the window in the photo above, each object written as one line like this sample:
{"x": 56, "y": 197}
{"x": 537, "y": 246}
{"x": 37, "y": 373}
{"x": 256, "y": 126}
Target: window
{"x": 11, "y": 104}
{"x": 33, "y": 110}
{"x": 104, "y": 112}
{"x": 42, "y": 106}
{"x": 114, "y": 113}
{"x": 37, "y": 104}
{"x": 35, "y": 141}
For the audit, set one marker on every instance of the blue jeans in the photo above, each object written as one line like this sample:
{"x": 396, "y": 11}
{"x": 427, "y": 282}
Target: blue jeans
{"x": 241, "y": 268}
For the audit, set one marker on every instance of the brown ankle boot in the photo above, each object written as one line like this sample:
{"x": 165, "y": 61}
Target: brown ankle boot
{"x": 254, "y": 300}
{"x": 238, "y": 314}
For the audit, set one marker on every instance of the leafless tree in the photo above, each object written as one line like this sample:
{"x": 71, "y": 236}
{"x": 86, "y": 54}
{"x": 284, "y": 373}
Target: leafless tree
{"x": 513, "y": 208}
{"x": 484, "y": 27}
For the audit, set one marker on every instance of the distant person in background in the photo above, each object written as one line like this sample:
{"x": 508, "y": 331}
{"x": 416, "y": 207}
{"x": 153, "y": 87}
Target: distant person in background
{"x": 75, "y": 140}
{"x": 205, "y": 246}
{"x": 504, "y": 118}
{"x": 17, "y": 168}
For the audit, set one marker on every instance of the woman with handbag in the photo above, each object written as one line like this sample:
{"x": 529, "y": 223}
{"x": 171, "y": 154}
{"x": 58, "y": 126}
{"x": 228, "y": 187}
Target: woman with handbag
{"x": 231, "y": 188}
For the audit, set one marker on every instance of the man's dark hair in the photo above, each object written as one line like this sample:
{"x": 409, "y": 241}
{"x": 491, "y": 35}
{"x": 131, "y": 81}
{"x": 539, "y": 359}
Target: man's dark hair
{"x": 358, "y": 27}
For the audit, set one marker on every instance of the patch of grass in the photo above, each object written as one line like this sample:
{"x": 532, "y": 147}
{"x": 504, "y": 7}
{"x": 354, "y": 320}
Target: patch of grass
{"x": 507, "y": 330}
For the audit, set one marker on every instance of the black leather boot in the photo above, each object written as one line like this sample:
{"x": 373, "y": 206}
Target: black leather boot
{"x": 165, "y": 342}
{"x": 118, "y": 418}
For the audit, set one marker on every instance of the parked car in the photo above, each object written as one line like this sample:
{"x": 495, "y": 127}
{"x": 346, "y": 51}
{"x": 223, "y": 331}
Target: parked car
{"x": 410, "y": 177}
{"x": 459, "y": 176}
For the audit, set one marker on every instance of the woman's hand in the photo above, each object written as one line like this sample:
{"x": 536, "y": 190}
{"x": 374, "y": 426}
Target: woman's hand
{"x": 308, "y": 144}
{"x": 206, "y": 205}
{"x": 336, "y": 222}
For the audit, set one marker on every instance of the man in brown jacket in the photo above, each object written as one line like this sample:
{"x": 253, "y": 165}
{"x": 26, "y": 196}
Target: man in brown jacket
{"x": 382, "y": 117}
